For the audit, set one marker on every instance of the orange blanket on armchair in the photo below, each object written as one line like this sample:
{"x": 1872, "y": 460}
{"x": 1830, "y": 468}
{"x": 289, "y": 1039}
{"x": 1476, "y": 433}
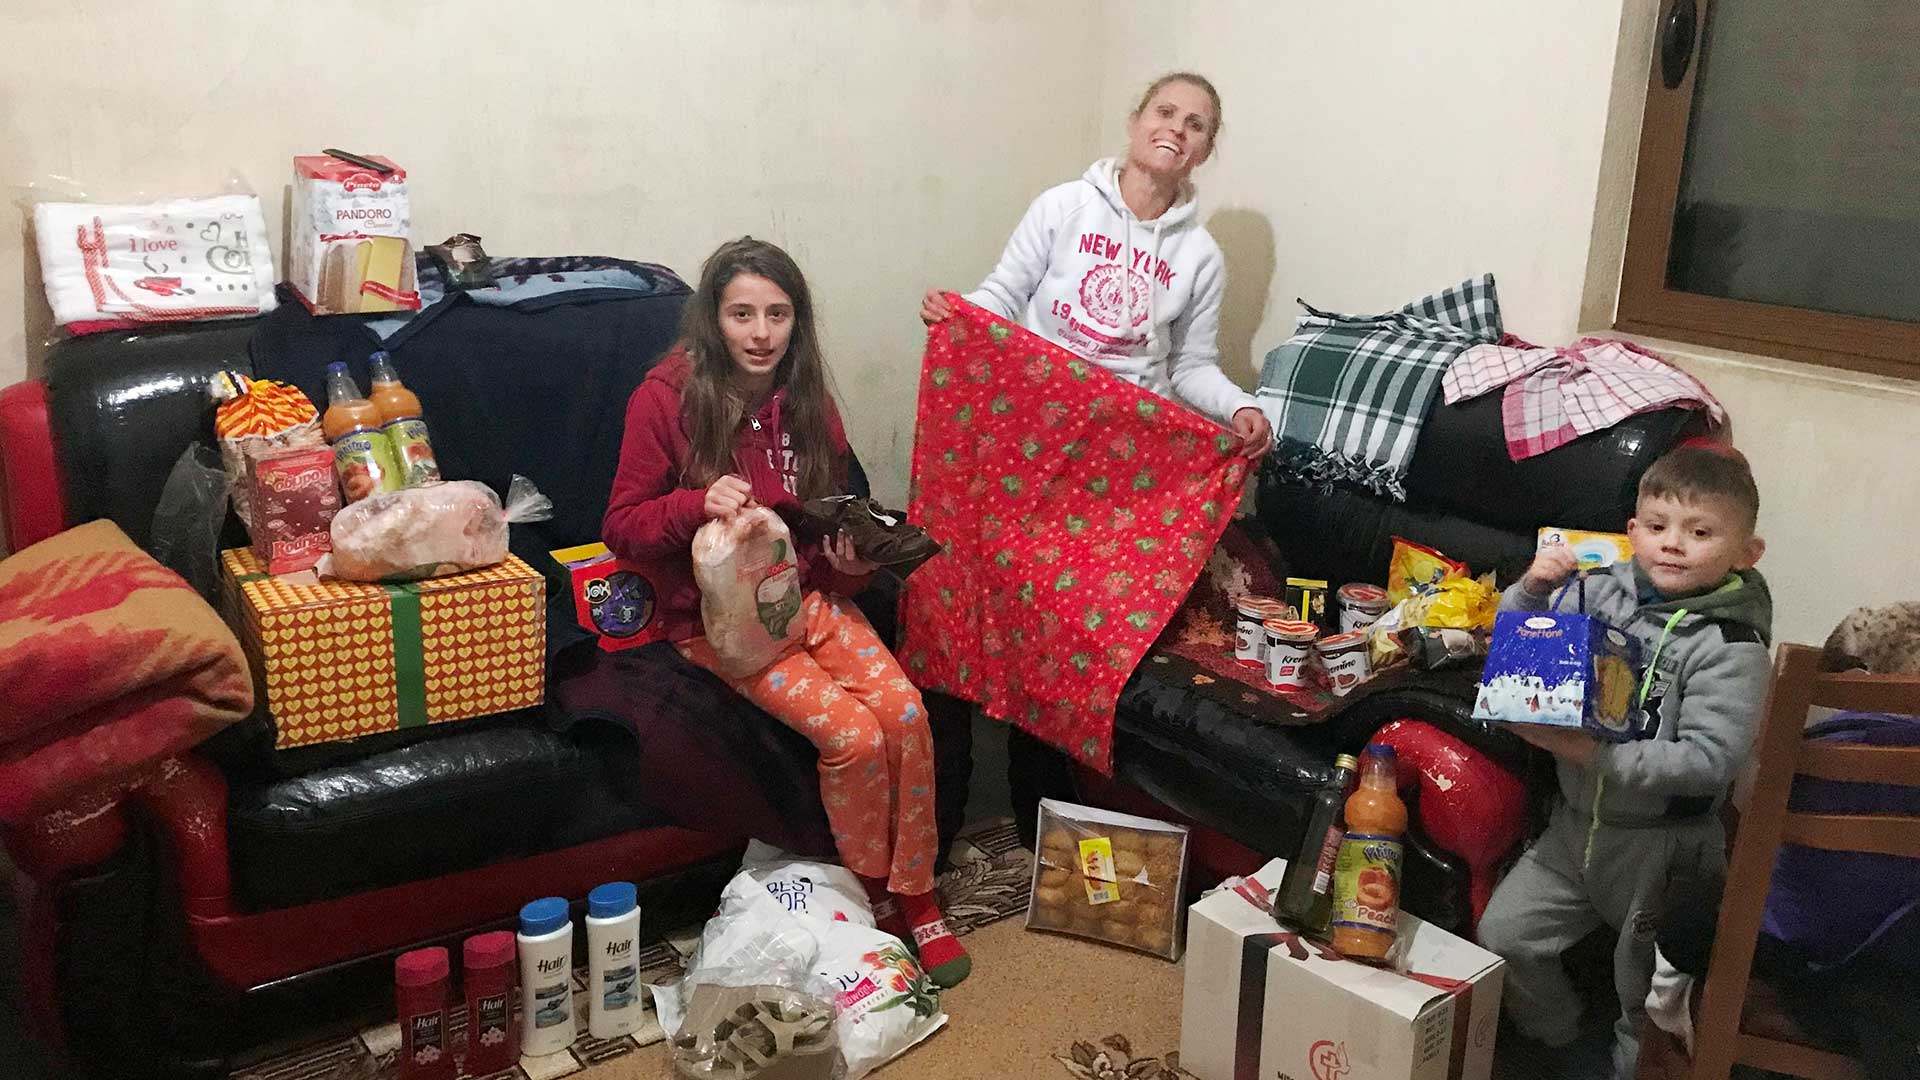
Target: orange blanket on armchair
{"x": 111, "y": 663}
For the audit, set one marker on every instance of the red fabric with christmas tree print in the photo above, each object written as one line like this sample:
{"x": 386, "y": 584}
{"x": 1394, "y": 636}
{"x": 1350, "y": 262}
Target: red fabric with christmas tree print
{"x": 1076, "y": 510}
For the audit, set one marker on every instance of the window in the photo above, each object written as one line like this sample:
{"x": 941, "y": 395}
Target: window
{"x": 1777, "y": 204}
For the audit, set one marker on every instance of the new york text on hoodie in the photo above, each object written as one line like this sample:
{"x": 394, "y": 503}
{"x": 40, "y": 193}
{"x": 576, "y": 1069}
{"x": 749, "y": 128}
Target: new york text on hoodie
{"x": 1139, "y": 298}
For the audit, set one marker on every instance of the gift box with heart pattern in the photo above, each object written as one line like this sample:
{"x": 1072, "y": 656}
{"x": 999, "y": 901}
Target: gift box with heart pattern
{"x": 338, "y": 659}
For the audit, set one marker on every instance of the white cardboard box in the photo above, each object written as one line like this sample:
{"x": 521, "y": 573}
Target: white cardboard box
{"x": 1263, "y": 1002}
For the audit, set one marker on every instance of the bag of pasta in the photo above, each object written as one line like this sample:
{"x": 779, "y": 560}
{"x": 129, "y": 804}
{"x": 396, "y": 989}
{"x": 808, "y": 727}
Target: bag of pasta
{"x": 749, "y": 589}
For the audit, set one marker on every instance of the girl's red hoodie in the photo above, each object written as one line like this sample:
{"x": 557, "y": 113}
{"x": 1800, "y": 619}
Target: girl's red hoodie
{"x": 653, "y": 513}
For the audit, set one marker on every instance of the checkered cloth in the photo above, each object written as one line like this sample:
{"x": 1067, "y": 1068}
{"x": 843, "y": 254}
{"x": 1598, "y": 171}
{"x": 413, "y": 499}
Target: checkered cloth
{"x": 1347, "y": 394}
{"x": 1554, "y": 396}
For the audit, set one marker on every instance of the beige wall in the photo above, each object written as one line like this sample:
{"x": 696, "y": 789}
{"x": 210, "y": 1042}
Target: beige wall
{"x": 1375, "y": 150}
{"x": 889, "y": 146}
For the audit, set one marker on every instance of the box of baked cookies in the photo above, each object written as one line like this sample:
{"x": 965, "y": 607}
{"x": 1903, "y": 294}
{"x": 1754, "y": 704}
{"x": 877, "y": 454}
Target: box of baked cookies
{"x": 1110, "y": 877}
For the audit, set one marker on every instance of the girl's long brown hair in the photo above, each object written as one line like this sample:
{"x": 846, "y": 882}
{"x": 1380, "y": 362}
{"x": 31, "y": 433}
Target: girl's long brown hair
{"x": 712, "y": 408}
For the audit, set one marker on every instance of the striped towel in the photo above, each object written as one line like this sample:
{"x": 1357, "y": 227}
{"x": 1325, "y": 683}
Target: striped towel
{"x": 1554, "y": 396}
{"x": 1347, "y": 394}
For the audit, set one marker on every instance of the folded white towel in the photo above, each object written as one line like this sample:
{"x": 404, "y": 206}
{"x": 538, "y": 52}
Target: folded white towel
{"x": 159, "y": 262}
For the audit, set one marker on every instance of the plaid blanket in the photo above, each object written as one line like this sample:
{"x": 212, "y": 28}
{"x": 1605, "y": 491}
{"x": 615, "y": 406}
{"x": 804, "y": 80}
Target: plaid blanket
{"x": 1075, "y": 510}
{"x": 1347, "y": 394}
{"x": 111, "y": 664}
{"x": 1554, "y": 396}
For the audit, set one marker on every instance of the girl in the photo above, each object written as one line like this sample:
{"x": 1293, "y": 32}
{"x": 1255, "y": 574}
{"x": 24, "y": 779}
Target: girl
{"x": 1116, "y": 267}
{"x": 739, "y": 414}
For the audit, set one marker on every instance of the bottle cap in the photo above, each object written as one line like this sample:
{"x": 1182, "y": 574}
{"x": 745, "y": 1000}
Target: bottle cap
{"x": 612, "y": 900}
{"x": 488, "y": 950}
{"x": 421, "y": 967}
{"x": 1380, "y": 749}
{"x": 544, "y": 916}
{"x": 337, "y": 367}
{"x": 1347, "y": 762}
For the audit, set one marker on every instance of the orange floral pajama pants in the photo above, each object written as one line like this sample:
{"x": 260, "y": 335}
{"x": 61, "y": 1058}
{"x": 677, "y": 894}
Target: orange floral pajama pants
{"x": 846, "y": 693}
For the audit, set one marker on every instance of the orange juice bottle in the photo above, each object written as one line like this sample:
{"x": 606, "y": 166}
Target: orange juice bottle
{"x": 401, "y": 421}
{"x": 362, "y": 457}
{"x": 1366, "y": 876}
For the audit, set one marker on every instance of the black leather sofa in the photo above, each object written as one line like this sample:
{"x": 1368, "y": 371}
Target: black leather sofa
{"x": 185, "y": 920}
{"x": 1230, "y": 770}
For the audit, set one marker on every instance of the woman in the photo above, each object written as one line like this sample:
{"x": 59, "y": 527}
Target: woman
{"x": 737, "y": 415}
{"x": 1116, "y": 266}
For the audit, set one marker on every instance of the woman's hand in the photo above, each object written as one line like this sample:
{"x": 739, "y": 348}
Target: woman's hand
{"x": 1251, "y": 430}
{"x": 728, "y": 496}
{"x": 839, "y": 551}
{"x": 935, "y": 307}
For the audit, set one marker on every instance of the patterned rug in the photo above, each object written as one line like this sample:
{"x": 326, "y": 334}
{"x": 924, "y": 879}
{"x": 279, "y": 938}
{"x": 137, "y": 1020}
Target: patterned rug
{"x": 990, "y": 881}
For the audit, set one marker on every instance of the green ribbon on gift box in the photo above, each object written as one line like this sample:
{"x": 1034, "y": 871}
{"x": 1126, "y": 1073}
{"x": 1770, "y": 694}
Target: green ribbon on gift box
{"x": 409, "y": 656}
{"x": 409, "y": 652}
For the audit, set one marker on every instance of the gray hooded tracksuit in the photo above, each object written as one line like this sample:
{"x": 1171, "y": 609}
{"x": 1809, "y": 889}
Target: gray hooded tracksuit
{"x": 1642, "y": 812}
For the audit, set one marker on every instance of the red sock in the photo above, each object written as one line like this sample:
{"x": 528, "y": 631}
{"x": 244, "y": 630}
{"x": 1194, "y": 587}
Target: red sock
{"x": 941, "y": 954}
{"x": 886, "y": 909}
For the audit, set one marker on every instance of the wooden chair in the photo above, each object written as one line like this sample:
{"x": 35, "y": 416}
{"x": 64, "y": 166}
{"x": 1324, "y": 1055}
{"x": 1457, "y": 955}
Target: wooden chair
{"x": 1798, "y": 684}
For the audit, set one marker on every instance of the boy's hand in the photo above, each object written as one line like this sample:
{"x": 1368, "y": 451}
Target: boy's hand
{"x": 1572, "y": 744}
{"x": 1550, "y": 567}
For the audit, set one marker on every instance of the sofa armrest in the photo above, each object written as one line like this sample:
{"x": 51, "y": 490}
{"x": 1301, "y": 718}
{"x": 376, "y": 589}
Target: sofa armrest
{"x": 31, "y": 505}
{"x": 188, "y": 803}
{"x": 46, "y": 853}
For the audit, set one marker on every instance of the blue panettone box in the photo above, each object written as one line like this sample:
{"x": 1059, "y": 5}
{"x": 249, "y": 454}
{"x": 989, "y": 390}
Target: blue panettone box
{"x": 1560, "y": 670}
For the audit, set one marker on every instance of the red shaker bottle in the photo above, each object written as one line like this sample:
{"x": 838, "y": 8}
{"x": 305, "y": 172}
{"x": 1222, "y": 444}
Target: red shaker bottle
{"x": 493, "y": 1043}
{"x": 420, "y": 982}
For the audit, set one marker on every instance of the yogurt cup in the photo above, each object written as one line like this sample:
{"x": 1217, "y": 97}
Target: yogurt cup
{"x": 1289, "y": 652}
{"x": 1250, "y": 635}
{"x": 1360, "y": 605}
{"x": 1344, "y": 656}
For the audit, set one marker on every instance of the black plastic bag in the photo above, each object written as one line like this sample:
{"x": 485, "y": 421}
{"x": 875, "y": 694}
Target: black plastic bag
{"x": 188, "y": 519}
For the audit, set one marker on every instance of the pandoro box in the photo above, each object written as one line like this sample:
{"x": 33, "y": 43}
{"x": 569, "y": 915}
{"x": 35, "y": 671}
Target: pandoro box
{"x": 341, "y": 659}
{"x": 350, "y": 243}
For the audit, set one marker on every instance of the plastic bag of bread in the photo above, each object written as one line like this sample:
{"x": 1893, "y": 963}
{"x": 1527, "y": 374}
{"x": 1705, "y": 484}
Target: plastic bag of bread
{"x": 1111, "y": 877}
{"x": 749, "y": 589}
{"x": 428, "y": 531}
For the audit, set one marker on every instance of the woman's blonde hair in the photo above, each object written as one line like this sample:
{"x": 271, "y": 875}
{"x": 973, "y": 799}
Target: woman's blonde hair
{"x": 1200, "y": 81}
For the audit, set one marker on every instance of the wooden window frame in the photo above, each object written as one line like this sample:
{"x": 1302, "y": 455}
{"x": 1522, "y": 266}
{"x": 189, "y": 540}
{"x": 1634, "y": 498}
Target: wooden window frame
{"x": 1648, "y": 306}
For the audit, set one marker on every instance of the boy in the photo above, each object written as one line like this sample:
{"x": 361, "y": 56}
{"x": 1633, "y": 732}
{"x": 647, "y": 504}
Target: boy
{"x": 1633, "y": 815}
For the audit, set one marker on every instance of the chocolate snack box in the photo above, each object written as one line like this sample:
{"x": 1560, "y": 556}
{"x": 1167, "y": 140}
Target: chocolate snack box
{"x": 294, "y": 499}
